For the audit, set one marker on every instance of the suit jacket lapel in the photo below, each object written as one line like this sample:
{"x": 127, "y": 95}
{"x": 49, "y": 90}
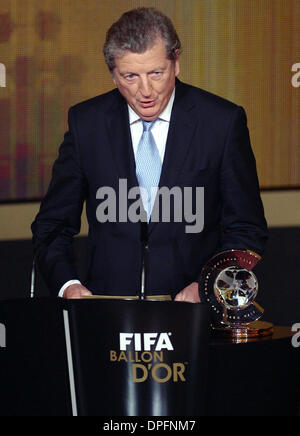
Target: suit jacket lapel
{"x": 181, "y": 131}
{"x": 117, "y": 122}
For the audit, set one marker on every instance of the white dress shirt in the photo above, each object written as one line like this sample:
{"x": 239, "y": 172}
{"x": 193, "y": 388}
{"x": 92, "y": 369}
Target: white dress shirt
{"x": 159, "y": 130}
{"x": 160, "y": 133}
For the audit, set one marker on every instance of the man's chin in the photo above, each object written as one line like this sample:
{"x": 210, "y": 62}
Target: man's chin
{"x": 148, "y": 115}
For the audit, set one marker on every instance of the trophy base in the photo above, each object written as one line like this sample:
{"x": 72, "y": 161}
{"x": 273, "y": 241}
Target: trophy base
{"x": 246, "y": 332}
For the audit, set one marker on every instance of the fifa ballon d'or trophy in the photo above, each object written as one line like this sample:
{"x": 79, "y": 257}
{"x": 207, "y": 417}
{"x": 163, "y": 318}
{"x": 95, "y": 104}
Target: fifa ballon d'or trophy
{"x": 228, "y": 284}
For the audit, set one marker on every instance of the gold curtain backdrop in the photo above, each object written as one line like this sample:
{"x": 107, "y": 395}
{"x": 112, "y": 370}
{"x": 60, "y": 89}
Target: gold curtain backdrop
{"x": 52, "y": 52}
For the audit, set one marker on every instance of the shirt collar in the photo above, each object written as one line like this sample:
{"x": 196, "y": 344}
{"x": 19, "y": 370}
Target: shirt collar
{"x": 165, "y": 115}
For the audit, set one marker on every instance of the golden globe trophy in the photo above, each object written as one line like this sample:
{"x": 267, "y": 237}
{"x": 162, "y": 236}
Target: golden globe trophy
{"x": 228, "y": 284}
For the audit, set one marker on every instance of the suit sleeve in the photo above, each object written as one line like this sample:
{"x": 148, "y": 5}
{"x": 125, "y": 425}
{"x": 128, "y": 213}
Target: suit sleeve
{"x": 243, "y": 221}
{"x": 62, "y": 203}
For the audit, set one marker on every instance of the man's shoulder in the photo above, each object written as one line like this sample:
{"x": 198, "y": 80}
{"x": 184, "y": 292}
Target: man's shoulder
{"x": 203, "y": 98}
{"x": 101, "y": 101}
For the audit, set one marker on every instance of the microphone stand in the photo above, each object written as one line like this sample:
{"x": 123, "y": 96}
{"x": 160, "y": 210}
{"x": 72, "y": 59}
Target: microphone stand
{"x": 144, "y": 242}
{"x": 32, "y": 283}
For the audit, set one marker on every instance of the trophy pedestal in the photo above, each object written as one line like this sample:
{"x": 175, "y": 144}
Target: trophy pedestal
{"x": 245, "y": 332}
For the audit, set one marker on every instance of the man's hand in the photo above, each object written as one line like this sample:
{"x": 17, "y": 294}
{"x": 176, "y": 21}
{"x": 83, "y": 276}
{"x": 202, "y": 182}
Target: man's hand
{"x": 76, "y": 291}
{"x": 189, "y": 294}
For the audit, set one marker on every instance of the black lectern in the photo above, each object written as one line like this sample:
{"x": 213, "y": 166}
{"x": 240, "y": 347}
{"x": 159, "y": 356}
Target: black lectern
{"x": 104, "y": 358}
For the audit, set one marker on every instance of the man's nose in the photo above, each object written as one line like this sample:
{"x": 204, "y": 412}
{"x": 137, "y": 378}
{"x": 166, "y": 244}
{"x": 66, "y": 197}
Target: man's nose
{"x": 145, "y": 87}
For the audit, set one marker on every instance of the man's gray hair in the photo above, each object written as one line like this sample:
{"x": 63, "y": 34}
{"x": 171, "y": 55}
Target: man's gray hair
{"x": 136, "y": 31}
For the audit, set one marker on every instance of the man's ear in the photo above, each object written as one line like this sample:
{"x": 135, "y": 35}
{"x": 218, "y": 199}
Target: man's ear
{"x": 176, "y": 63}
{"x": 176, "y": 67}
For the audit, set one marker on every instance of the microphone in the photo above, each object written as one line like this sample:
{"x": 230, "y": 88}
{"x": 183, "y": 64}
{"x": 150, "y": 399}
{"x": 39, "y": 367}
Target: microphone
{"x": 144, "y": 243}
{"x": 44, "y": 244}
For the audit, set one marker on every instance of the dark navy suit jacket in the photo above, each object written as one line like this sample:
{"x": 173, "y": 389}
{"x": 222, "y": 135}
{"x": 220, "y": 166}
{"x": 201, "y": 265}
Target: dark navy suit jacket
{"x": 208, "y": 146}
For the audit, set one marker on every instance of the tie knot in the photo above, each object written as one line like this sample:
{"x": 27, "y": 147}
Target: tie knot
{"x": 147, "y": 125}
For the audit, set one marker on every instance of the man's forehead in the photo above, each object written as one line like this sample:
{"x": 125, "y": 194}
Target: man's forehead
{"x": 130, "y": 69}
{"x": 152, "y": 54}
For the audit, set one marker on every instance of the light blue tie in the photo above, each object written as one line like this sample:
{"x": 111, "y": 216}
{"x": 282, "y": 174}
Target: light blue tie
{"x": 148, "y": 165}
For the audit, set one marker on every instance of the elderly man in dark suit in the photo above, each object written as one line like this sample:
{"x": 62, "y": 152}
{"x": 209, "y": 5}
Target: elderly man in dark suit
{"x": 152, "y": 131}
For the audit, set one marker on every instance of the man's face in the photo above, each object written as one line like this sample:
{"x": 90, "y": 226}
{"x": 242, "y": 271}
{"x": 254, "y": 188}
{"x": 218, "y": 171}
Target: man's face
{"x": 146, "y": 80}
